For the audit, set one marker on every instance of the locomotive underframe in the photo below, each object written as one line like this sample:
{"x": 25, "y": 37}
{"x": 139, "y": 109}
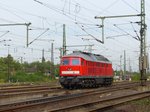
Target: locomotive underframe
{"x": 84, "y": 81}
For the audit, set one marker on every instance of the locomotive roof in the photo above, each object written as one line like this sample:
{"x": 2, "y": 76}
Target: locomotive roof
{"x": 89, "y": 56}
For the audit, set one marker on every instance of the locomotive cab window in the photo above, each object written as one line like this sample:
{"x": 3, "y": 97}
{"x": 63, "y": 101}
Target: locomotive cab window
{"x": 65, "y": 62}
{"x": 76, "y": 61}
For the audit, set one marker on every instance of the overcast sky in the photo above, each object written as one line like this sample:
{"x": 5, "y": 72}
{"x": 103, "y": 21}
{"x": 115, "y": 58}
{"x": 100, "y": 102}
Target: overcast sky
{"x": 81, "y": 27}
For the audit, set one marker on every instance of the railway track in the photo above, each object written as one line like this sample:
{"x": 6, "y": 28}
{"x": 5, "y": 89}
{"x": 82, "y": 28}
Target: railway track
{"x": 13, "y": 97}
{"x": 103, "y": 104}
{"x": 17, "y": 88}
{"x": 13, "y": 93}
{"x": 19, "y": 94}
{"x": 25, "y": 88}
{"x": 68, "y": 101}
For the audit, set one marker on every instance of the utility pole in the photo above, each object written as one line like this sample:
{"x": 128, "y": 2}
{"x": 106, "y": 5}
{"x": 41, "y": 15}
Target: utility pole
{"x": 52, "y": 52}
{"x": 43, "y": 59}
{"x": 27, "y": 25}
{"x": 52, "y": 60}
{"x": 8, "y": 65}
{"x": 64, "y": 39}
{"x": 120, "y": 65}
{"x": 124, "y": 62}
{"x": 143, "y": 58}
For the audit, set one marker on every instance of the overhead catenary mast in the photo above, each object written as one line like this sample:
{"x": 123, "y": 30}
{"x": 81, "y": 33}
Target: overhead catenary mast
{"x": 52, "y": 60}
{"x": 124, "y": 62}
{"x": 43, "y": 57}
{"x": 17, "y": 24}
{"x": 143, "y": 59}
{"x": 64, "y": 39}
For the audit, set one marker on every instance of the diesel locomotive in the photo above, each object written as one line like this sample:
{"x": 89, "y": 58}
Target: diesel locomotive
{"x": 82, "y": 69}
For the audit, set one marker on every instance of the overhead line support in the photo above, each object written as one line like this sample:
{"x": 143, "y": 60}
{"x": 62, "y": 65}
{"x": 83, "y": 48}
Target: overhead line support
{"x": 143, "y": 59}
{"x": 17, "y": 24}
{"x": 64, "y": 40}
{"x": 120, "y": 16}
{"x": 111, "y": 17}
{"x": 79, "y": 45}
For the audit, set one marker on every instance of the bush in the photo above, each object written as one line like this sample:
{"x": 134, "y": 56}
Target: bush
{"x": 3, "y": 77}
{"x": 23, "y": 77}
{"x": 2, "y": 80}
{"x": 135, "y": 76}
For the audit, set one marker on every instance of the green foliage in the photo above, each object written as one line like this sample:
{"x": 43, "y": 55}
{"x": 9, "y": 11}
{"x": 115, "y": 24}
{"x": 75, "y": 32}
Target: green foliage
{"x": 135, "y": 76}
{"x": 56, "y": 72}
{"x": 2, "y": 80}
{"x": 3, "y": 77}
{"x": 23, "y": 77}
{"x": 145, "y": 101}
{"x": 12, "y": 70}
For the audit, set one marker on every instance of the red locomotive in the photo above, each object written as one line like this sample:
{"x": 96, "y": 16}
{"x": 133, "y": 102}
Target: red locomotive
{"x": 82, "y": 69}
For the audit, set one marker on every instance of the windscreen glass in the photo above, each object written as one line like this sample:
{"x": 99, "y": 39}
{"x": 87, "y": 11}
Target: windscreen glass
{"x": 75, "y": 62}
{"x": 65, "y": 62}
